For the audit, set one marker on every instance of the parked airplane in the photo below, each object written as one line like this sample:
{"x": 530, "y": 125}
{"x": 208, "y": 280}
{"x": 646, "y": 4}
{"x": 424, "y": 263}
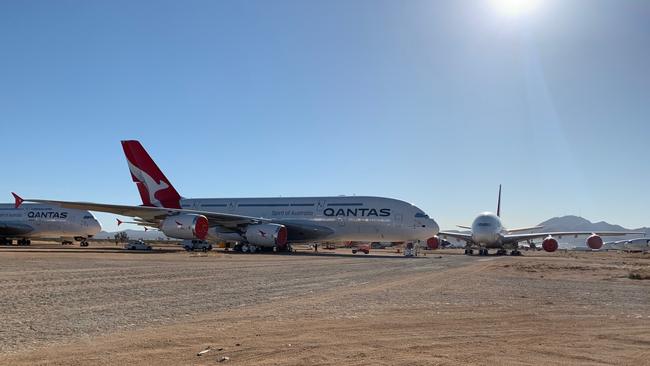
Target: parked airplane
{"x": 632, "y": 245}
{"x": 487, "y": 232}
{"x": 31, "y": 221}
{"x": 255, "y": 223}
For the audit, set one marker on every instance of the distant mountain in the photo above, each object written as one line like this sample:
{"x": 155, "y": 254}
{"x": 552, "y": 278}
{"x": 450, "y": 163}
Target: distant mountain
{"x": 577, "y": 223}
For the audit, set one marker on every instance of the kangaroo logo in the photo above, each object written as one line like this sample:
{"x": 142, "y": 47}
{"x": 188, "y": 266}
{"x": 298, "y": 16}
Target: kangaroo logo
{"x": 152, "y": 186}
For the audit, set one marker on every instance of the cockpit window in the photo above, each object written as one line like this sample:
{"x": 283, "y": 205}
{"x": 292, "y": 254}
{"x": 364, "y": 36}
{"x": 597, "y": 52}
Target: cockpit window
{"x": 484, "y": 224}
{"x": 88, "y": 217}
{"x": 422, "y": 215}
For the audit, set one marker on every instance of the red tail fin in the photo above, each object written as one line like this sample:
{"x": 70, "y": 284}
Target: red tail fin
{"x": 155, "y": 189}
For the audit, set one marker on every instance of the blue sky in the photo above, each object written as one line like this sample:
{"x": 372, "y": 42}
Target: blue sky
{"x": 433, "y": 102}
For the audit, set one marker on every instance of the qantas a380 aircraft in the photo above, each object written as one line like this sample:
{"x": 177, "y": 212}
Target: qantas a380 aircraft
{"x": 31, "y": 221}
{"x": 256, "y": 223}
{"x": 487, "y": 232}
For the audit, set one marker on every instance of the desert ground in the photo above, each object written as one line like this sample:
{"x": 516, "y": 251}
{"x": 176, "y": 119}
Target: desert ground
{"x": 105, "y": 306}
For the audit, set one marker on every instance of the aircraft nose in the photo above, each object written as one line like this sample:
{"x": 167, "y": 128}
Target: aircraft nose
{"x": 430, "y": 229}
{"x": 434, "y": 227}
{"x": 95, "y": 228}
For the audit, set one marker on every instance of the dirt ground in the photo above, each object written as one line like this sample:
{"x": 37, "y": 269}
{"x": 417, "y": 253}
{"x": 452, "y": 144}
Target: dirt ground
{"x": 85, "y": 307}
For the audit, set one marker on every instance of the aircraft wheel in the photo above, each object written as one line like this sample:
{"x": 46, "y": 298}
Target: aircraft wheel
{"x": 244, "y": 248}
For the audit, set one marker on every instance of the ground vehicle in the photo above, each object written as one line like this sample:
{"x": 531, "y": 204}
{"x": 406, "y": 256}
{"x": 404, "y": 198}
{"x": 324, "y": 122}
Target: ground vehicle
{"x": 195, "y": 244}
{"x": 137, "y": 245}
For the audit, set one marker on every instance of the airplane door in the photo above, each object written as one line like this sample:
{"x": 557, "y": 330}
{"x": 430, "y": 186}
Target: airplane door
{"x": 340, "y": 220}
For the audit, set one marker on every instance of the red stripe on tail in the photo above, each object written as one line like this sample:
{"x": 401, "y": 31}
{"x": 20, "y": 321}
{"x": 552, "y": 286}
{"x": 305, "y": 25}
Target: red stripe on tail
{"x": 155, "y": 189}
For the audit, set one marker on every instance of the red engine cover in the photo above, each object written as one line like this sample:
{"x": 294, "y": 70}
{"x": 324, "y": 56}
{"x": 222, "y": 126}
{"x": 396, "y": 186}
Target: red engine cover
{"x": 281, "y": 241}
{"x": 433, "y": 242}
{"x": 549, "y": 244}
{"x": 595, "y": 242}
{"x": 201, "y": 227}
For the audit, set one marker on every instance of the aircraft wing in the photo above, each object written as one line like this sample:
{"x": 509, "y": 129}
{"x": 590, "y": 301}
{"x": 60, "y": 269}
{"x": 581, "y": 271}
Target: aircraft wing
{"x": 524, "y": 229}
{"x": 515, "y": 238}
{"x": 14, "y": 228}
{"x": 455, "y": 235}
{"x": 154, "y": 215}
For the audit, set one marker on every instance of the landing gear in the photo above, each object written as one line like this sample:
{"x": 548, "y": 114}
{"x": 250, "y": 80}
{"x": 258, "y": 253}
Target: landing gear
{"x": 483, "y": 251}
{"x": 469, "y": 251}
{"x": 515, "y": 253}
{"x": 83, "y": 244}
{"x": 5, "y": 241}
{"x": 24, "y": 242}
{"x": 502, "y": 252}
{"x": 66, "y": 242}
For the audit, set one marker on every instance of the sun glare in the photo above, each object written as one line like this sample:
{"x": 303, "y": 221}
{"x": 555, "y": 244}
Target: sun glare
{"x": 514, "y": 8}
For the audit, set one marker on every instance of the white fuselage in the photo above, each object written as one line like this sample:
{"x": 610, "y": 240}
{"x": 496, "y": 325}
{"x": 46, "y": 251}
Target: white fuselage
{"x": 487, "y": 230}
{"x": 348, "y": 218}
{"x": 44, "y": 221}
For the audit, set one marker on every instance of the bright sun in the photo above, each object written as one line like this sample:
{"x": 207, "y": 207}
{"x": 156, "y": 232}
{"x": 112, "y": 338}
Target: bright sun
{"x": 515, "y": 8}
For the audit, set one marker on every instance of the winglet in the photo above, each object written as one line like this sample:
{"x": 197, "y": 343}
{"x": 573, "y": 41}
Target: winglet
{"x": 119, "y": 222}
{"x": 499, "y": 203}
{"x": 18, "y": 200}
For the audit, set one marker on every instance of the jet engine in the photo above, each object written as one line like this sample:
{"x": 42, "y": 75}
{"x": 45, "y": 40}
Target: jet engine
{"x": 433, "y": 242}
{"x": 267, "y": 235}
{"x": 595, "y": 242}
{"x": 549, "y": 244}
{"x": 185, "y": 226}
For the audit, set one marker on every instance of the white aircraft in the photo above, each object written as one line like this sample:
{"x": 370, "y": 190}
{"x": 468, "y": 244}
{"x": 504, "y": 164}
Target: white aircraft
{"x": 632, "y": 245}
{"x": 256, "y": 223}
{"x": 33, "y": 221}
{"x": 487, "y": 232}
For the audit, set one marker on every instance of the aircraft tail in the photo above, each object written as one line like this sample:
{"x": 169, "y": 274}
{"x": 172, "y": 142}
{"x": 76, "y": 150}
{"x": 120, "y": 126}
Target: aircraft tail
{"x": 499, "y": 202}
{"x": 155, "y": 189}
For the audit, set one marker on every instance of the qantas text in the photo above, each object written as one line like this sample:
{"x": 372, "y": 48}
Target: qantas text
{"x": 47, "y": 215}
{"x": 357, "y": 212}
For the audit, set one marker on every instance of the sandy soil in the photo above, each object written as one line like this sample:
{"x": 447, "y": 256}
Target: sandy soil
{"x": 88, "y": 307}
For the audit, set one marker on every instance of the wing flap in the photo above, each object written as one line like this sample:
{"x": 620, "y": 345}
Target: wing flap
{"x": 14, "y": 228}
{"x": 455, "y": 235}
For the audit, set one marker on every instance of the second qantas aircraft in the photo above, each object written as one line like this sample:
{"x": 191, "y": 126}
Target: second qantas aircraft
{"x": 256, "y": 223}
{"x": 487, "y": 232}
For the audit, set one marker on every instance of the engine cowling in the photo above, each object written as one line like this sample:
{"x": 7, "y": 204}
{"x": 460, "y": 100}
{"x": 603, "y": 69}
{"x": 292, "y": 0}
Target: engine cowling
{"x": 550, "y": 244}
{"x": 185, "y": 226}
{"x": 595, "y": 242}
{"x": 433, "y": 242}
{"x": 267, "y": 235}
